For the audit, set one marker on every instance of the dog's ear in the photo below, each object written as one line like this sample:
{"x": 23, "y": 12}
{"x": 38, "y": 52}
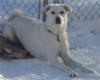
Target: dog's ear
{"x": 67, "y": 8}
{"x": 46, "y": 8}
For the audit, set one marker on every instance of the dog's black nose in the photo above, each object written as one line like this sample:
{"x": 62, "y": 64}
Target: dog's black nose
{"x": 58, "y": 20}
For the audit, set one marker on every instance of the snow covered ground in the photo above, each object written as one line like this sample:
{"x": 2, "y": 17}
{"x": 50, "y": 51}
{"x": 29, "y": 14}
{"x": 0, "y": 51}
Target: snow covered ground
{"x": 84, "y": 39}
{"x": 85, "y": 34}
{"x": 33, "y": 69}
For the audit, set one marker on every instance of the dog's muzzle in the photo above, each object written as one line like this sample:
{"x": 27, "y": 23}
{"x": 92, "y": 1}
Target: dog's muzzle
{"x": 58, "y": 20}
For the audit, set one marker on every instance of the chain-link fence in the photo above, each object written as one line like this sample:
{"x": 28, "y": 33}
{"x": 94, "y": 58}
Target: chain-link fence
{"x": 30, "y": 7}
{"x": 82, "y": 9}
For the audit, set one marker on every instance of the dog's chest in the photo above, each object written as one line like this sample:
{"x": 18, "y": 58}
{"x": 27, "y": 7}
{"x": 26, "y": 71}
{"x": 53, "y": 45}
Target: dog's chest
{"x": 46, "y": 42}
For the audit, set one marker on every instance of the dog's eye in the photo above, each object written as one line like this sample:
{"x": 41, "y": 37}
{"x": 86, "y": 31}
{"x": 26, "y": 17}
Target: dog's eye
{"x": 62, "y": 12}
{"x": 53, "y": 12}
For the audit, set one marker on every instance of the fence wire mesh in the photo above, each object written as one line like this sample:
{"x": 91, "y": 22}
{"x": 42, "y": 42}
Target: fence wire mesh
{"x": 82, "y": 9}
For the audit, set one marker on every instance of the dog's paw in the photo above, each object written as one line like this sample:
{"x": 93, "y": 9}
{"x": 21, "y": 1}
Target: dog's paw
{"x": 74, "y": 75}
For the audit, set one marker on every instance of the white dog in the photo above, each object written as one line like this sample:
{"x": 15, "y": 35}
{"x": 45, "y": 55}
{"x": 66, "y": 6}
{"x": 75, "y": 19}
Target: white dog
{"x": 46, "y": 40}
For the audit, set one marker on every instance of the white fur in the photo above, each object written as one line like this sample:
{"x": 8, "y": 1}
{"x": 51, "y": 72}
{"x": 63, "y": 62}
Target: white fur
{"x": 34, "y": 35}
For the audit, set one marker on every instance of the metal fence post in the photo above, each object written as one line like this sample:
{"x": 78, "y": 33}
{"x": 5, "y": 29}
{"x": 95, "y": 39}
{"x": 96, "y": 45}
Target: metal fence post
{"x": 58, "y": 1}
{"x": 39, "y": 9}
{"x": 45, "y": 2}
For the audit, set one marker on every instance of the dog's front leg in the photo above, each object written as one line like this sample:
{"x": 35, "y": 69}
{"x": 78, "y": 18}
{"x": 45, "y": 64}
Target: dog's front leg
{"x": 56, "y": 63}
{"x": 74, "y": 64}
{"x": 65, "y": 55}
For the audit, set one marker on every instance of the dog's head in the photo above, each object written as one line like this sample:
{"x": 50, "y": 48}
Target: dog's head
{"x": 56, "y": 16}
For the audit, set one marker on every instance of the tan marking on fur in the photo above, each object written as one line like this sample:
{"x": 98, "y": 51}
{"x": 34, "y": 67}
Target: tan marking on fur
{"x": 68, "y": 8}
{"x": 15, "y": 14}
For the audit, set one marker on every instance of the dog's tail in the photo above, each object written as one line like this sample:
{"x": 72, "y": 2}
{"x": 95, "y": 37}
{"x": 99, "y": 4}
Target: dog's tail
{"x": 15, "y": 14}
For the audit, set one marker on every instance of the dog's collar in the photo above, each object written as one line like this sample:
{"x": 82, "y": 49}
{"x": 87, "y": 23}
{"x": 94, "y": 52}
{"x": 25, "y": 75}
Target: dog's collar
{"x": 57, "y": 36}
{"x": 49, "y": 31}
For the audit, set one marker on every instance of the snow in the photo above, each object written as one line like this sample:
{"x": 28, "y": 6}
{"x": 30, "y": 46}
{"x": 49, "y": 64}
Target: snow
{"x": 33, "y": 69}
{"x": 84, "y": 40}
{"x": 17, "y": 70}
{"x": 86, "y": 34}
